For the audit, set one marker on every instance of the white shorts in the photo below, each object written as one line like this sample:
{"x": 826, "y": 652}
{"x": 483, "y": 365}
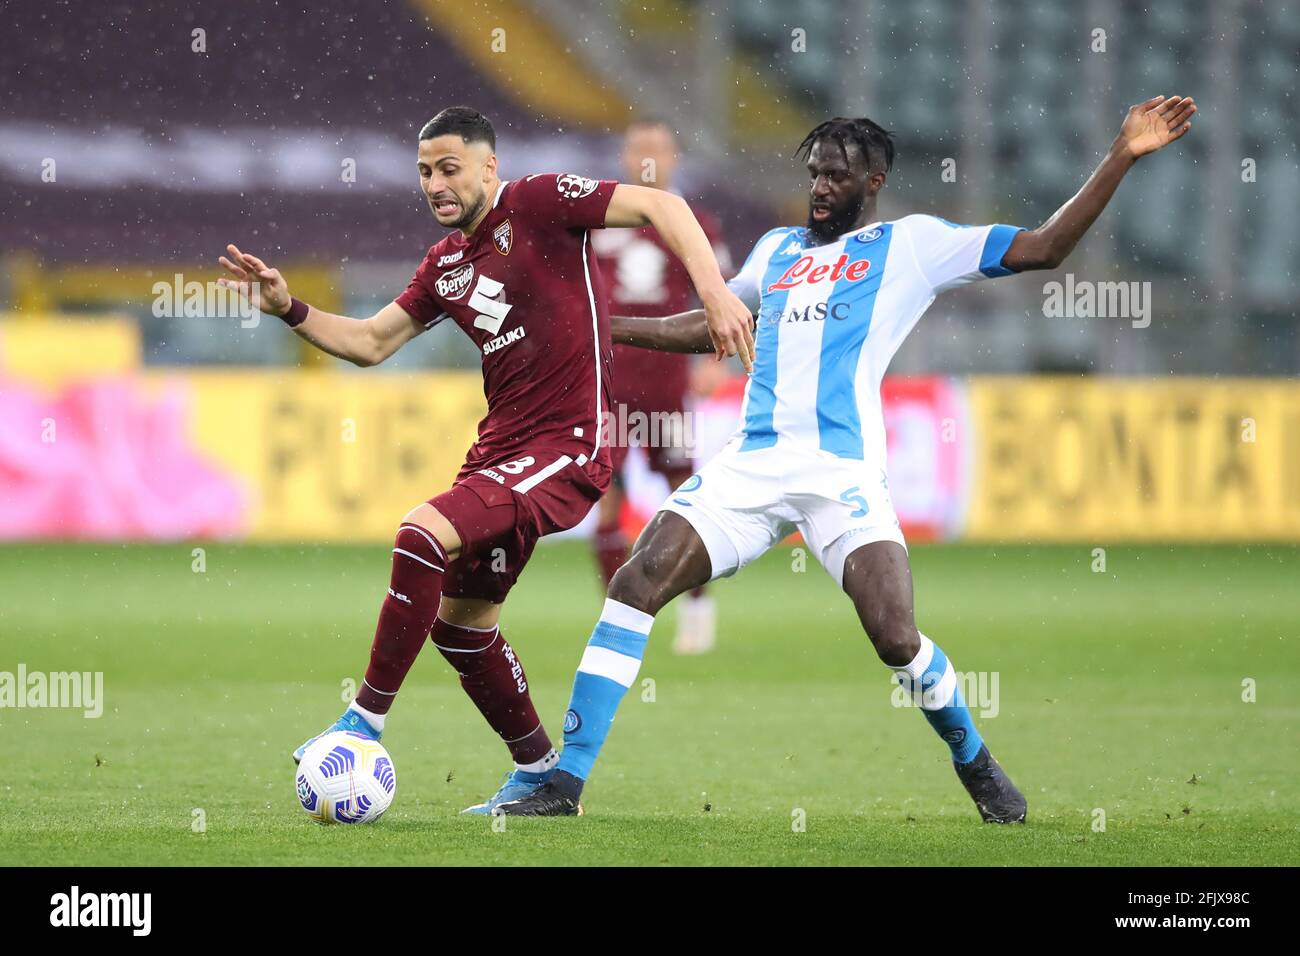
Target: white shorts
{"x": 743, "y": 502}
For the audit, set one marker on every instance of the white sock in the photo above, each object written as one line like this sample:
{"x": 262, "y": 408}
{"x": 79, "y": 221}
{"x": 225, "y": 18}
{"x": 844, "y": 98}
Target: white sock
{"x": 374, "y": 720}
{"x": 540, "y": 766}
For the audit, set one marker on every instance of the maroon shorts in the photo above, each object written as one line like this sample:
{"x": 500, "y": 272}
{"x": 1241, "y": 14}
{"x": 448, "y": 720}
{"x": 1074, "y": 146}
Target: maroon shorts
{"x": 501, "y": 510}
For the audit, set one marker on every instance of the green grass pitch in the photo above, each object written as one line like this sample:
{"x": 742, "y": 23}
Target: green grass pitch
{"x": 1119, "y": 692}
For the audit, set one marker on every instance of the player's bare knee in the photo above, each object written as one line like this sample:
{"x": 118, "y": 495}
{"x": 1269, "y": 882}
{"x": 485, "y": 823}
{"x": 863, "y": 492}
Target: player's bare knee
{"x": 631, "y": 585}
{"x": 652, "y": 577}
{"x": 894, "y": 635}
{"x": 431, "y": 521}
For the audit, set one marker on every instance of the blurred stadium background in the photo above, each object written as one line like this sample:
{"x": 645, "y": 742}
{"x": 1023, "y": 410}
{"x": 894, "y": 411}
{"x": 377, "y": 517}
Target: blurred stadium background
{"x": 137, "y": 140}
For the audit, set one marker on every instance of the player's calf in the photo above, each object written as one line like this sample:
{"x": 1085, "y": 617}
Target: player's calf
{"x": 493, "y": 677}
{"x": 669, "y": 558}
{"x": 931, "y": 681}
{"x": 879, "y": 580}
{"x": 893, "y": 634}
{"x": 408, "y": 612}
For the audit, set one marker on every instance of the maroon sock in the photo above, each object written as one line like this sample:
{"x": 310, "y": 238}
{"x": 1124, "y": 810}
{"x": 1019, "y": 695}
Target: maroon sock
{"x": 414, "y": 592}
{"x": 611, "y": 550}
{"x": 494, "y": 680}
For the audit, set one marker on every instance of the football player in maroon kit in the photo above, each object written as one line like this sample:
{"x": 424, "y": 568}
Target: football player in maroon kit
{"x": 650, "y": 388}
{"x": 519, "y": 277}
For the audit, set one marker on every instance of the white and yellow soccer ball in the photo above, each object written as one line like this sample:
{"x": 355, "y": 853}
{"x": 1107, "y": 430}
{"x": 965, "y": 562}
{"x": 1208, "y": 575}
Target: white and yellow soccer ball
{"x": 346, "y": 778}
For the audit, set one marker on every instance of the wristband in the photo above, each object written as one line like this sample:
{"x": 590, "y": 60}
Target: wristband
{"x": 297, "y": 313}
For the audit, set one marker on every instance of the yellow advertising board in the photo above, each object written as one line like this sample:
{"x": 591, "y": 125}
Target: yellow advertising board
{"x": 101, "y": 448}
{"x": 1103, "y": 459}
{"x": 329, "y": 456}
{"x": 50, "y": 351}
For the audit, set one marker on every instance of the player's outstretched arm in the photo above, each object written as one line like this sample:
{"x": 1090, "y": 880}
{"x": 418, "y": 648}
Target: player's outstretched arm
{"x": 1148, "y": 127}
{"x": 362, "y": 342}
{"x": 683, "y": 332}
{"x": 728, "y": 319}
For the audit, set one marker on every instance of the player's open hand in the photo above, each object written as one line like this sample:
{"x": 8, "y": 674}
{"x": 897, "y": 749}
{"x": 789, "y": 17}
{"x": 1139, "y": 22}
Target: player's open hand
{"x": 731, "y": 327}
{"x": 263, "y": 287}
{"x": 1156, "y": 123}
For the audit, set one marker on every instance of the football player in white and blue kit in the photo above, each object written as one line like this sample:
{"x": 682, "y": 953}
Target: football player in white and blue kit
{"x": 833, "y": 300}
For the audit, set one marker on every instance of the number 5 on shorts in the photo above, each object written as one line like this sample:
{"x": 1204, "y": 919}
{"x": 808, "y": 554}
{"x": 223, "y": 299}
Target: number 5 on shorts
{"x": 850, "y": 496}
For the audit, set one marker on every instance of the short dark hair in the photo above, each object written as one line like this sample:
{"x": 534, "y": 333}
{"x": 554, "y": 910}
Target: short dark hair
{"x": 876, "y": 142}
{"x": 469, "y": 124}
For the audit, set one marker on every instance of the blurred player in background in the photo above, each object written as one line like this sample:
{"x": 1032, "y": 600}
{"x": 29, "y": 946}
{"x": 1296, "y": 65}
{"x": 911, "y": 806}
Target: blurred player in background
{"x": 518, "y": 276}
{"x": 834, "y": 299}
{"x": 645, "y": 278}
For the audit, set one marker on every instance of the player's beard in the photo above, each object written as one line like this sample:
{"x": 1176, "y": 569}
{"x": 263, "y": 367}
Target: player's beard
{"x": 470, "y": 212}
{"x": 841, "y": 220}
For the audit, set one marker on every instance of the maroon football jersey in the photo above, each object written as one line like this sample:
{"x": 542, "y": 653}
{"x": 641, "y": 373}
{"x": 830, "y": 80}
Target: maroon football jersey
{"x": 526, "y": 288}
{"x": 644, "y": 277}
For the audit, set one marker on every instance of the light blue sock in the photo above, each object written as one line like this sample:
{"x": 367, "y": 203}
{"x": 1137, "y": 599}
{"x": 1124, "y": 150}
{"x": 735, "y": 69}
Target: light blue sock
{"x": 931, "y": 681}
{"x": 609, "y": 667}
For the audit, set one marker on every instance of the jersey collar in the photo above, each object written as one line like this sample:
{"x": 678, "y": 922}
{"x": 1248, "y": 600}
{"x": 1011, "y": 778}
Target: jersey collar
{"x": 803, "y": 232}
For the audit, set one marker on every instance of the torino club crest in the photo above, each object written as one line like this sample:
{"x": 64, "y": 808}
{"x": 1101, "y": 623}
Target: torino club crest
{"x": 502, "y": 237}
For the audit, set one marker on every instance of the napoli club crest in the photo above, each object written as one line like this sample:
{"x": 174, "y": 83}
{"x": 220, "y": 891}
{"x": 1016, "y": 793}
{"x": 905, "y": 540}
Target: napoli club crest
{"x": 502, "y": 238}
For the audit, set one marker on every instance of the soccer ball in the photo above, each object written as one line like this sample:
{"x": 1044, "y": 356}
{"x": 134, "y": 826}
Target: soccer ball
{"x": 346, "y": 778}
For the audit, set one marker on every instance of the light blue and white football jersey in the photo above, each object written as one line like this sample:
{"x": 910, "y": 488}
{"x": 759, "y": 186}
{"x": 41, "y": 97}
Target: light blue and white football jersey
{"x": 831, "y": 317}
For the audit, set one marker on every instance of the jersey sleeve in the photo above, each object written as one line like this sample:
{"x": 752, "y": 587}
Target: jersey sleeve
{"x": 419, "y": 301}
{"x": 565, "y": 199}
{"x": 746, "y": 283}
{"x": 951, "y": 255}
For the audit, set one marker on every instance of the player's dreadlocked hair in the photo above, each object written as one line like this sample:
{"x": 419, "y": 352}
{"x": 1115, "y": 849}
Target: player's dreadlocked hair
{"x": 469, "y": 124}
{"x": 876, "y": 142}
